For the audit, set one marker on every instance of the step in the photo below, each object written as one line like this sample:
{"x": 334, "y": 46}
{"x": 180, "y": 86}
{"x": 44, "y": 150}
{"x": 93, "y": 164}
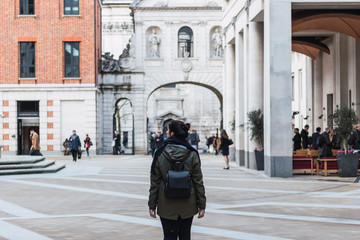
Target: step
{"x": 50, "y": 169}
{"x": 41, "y": 164}
{"x": 20, "y": 159}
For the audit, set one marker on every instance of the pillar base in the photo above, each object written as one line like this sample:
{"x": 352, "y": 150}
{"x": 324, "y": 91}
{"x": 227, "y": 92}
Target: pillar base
{"x": 232, "y": 154}
{"x": 240, "y": 157}
{"x": 276, "y": 166}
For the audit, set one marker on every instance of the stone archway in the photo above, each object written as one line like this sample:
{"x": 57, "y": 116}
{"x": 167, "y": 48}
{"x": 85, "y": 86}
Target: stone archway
{"x": 206, "y": 127}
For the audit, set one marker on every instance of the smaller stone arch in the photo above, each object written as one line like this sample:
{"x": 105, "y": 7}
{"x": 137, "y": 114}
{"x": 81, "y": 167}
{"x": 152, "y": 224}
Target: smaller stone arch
{"x": 216, "y": 42}
{"x": 153, "y": 42}
{"x": 123, "y": 122}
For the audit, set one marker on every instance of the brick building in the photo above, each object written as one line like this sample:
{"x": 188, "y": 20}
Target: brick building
{"x": 49, "y": 54}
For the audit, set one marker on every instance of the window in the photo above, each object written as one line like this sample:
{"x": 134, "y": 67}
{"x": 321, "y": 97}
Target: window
{"x": 72, "y": 59}
{"x": 71, "y": 7}
{"x": 185, "y": 42}
{"x": 27, "y": 7}
{"x": 27, "y": 59}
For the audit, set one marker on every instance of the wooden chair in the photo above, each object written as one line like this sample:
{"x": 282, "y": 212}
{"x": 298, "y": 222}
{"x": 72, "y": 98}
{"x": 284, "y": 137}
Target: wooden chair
{"x": 315, "y": 153}
{"x": 334, "y": 152}
{"x": 303, "y": 164}
{"x": 302, "y": 152}
{"x": 326, "y": 165}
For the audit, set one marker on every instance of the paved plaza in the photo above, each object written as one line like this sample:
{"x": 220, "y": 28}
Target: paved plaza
{"x": 105, "y": 197}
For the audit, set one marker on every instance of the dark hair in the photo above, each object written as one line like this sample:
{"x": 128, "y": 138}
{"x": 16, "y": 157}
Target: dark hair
{"x": 296, "y": 129}
{"x": 223, "y": 134}
{"x": 32, "y": 130}
{"x": 179, "y": 128}
{"x": 318, "y": 129}
{"x": 306, "y": 126}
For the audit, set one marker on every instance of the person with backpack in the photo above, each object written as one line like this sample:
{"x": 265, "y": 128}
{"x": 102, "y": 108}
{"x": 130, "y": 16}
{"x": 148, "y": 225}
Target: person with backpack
{"x": 87, "y": 144}
{"x": 177, "y": 192}
{"x": 325, "y": 144}
{"x": 315, "y": 138}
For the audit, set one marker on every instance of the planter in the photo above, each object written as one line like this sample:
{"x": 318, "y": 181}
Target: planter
{"x": 348, "y": 164}
{"x": 259, "y": 157}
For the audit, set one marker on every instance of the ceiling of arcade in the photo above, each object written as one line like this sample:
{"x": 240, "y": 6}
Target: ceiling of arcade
{"x": 311, "y": 27}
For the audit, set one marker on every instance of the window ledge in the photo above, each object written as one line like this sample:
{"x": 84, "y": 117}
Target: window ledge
{"x": 79, "y": 16}
{"x": 72, "y": 78}
{"x": 27, "y": 79}
{"x": 20, "y": 16}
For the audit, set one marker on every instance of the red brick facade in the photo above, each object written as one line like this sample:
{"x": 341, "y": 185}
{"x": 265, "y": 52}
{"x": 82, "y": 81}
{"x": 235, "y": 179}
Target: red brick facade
{"x": 49, "y": 29}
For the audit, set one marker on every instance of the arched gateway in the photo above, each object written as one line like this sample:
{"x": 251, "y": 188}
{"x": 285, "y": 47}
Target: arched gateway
{"x": 158, "y": 55}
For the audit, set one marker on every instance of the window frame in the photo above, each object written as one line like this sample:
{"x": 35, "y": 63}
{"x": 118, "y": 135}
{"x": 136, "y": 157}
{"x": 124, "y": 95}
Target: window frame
{"x": 70, "y": 3}
{"x": 26, "y": 59}
{"x": 25, "y": 5}
{"x": 72, "y": 60}
{"x": 189, "y": 44}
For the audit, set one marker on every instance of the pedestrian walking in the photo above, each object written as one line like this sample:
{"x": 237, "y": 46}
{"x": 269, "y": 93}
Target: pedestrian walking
{"x": 87, "y": 144}
{"x": 152, "y": 144}
{"x": 216, "y": 144}
{"x": 116, "y": 143}
{"x": 305, "y": 137}
{"x": 159, "y": 140}
{"x": 225, "y": 142}
{"x": 75, "y": 145}
{"x": 193, "y": 138}
{"x": 125, "y": 141}
{"x": 35, "y": 145}
{"x": 176, "y": 215}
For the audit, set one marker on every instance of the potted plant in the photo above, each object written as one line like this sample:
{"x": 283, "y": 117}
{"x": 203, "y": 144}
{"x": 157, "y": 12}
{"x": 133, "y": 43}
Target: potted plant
{"x": 345, "y": 120}
{"x": 255, "y": 123}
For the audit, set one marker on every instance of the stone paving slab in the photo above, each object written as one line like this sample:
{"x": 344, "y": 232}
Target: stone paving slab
{"x": 105, "y": 197}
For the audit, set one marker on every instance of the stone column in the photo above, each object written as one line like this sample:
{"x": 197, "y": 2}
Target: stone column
{"x": 246, "y": 94}
{"x": 357, "y": 77}
{"x": 239, "y": 98}
{"x": 277, "y": 88}
{"x": 229, "y": 93}
{"x": 318, "y": 93}
{"x": 255, "y": 78}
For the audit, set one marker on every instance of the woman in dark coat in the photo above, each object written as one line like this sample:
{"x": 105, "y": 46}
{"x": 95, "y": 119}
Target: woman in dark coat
{"x": 75, "y": 145}
{"x": 176, "y": 214}
{"x": 224, "y": 146}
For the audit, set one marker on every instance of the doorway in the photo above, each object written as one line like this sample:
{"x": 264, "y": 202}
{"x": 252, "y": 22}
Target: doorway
{"x": 28, "y": 119}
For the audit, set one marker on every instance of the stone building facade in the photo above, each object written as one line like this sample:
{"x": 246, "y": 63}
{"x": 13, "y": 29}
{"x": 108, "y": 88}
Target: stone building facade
{"x": 48, "y": 72}
{"x": 165, "y": 82}
{"x": 259, "y": 38}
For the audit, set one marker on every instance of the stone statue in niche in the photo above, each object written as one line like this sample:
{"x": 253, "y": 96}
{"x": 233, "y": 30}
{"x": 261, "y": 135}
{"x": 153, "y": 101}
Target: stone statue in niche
{"x": 217, "y": 43}
{"x": 154, "y": 41}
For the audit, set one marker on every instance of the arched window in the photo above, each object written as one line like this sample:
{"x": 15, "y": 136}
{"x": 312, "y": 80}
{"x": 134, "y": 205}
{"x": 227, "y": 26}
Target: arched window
{"x": 185, "y": 42}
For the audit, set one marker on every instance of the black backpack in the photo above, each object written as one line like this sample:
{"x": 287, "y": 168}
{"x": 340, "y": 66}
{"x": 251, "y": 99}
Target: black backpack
{"x": 178, "y": 181}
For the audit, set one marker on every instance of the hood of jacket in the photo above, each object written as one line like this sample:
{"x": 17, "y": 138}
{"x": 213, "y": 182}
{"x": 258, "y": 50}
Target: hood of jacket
{"x": 176, "y": 152}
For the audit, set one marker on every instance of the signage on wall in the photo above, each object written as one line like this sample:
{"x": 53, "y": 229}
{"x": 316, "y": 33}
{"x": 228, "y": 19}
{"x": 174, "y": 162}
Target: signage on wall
{"x": 28, "y": 114}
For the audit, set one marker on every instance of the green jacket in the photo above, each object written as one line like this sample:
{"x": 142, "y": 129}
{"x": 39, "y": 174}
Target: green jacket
{"x": 172, "y": 208}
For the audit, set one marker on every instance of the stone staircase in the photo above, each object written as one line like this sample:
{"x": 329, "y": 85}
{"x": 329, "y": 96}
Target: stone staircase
{"x": 27, "y": 165}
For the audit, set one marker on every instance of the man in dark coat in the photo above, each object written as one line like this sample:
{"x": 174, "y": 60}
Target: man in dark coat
{"x": 354, "y": 140}
{"x": 116, "y": 149}
{"x": 159, "y": 140}
{"x": 297, "y": 139}
{"x": 315, "y": 138}
{"x": 325, "y": 144}
{"x": 305, "y": 137}
{"x": 75, "y": 145}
